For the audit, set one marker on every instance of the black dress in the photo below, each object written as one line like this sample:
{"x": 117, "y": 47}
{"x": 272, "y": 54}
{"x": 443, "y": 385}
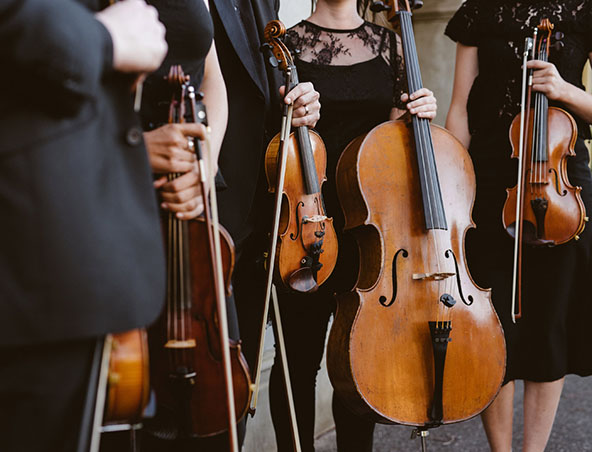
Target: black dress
{"x": 359, "y": 76}
{"x": 551, "y": 340}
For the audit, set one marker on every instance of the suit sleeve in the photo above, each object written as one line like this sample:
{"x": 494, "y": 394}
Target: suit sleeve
{"x": 57, "y": 43}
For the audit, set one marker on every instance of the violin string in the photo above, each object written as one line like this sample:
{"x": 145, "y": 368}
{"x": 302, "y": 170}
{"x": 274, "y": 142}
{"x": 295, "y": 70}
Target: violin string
{"x": 169, "y": 277}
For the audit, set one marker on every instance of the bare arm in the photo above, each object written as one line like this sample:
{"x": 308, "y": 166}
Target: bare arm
{"x": 466, "y": 71}
{"x": 546, "y": 79}
{"x": 216, "y": 101}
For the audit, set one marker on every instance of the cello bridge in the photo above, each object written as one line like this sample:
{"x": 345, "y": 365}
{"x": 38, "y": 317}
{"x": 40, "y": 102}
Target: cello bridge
{"x": 314, "y": 219}
{"x": 435, "y": 276}
{"x": 190, "y": 343}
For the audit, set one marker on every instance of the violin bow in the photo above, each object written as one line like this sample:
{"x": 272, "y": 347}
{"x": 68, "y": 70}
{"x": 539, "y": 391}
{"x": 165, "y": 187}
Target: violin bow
{"x": 280, "y": 54}
{"x": 517, "y": 269}
{"x": 213, "y": 226}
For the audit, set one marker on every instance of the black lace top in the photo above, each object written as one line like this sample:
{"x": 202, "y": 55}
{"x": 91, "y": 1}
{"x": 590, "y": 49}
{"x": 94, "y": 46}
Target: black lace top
{"x": 359, "y": 74}
{"x": 498, "y": 28}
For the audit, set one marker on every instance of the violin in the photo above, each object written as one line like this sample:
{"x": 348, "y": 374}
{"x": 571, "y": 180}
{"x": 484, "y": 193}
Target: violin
{"x": 543, "y": 209}
{"x": 195, "y": 367}
{"x": 407, "y": 344}
{"x": 128, "y": 381}
{"x": 307, "y": 244}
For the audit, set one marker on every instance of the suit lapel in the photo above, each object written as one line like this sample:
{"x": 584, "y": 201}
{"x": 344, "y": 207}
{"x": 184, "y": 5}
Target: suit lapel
{"x": 240, "y": 41}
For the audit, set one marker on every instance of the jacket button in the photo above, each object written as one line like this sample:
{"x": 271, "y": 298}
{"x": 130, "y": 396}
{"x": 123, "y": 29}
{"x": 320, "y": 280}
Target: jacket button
{"x": 133, "y": 137}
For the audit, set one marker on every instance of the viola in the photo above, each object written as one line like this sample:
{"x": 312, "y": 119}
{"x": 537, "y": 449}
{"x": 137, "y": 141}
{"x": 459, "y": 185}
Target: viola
{"x": 307, "y": 244}
{"x": 200, "y": 376}
{"x": 407, "y": 344}
{"x": 543, "y": 209}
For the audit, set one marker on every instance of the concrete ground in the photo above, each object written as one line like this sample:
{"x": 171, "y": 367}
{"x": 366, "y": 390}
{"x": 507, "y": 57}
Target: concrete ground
{"x": 572, "y": 431}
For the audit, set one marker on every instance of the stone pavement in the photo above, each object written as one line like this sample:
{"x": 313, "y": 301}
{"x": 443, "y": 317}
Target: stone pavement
{"x": 572, "y": 431}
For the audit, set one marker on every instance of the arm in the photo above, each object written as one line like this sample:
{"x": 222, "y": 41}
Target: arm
{"x": 62, "y": 46}
{"x": 216, "y": 101}
{"x": 465, "y": 72}
{"x": 547, "y": 80}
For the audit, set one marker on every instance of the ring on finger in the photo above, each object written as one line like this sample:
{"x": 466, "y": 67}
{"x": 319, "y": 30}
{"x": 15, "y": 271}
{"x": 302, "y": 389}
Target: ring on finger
{"x": 190, "y": 144}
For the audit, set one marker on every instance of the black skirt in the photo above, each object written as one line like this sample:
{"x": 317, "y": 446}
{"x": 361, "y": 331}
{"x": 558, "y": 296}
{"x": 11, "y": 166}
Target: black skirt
{"x": 551, "y": 339}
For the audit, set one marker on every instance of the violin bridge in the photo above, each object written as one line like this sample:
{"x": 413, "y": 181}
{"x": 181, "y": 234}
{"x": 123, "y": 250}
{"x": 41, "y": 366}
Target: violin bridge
{"x": 180, "y": 344}
{"x": 314, "y": 219}
{"x": 435, "y": 276}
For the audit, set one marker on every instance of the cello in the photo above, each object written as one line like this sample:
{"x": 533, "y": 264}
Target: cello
{"x": 543, "y": 209}
{"x": 407, "y": 344}
{"x": 194, "y": 366}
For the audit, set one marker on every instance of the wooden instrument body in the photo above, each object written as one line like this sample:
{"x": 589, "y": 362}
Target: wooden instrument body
{"x": 296, "y": 237}
{"x": 380, "y": 358}
{"x": 128, "y": 387}
{"x": 565, "y": 213}
{"x": 197, "y": 400}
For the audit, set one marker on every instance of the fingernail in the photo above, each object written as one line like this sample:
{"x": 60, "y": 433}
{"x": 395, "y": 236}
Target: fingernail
{"x": 288, "y": 100}
{"x": 163, "y": 205}
{"x": 179, "y": 215}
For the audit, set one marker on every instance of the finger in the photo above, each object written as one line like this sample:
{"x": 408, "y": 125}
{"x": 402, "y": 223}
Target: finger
{"x": 297, "y": 91}
{"x": 422, "y": 101}
{"x": 538, "y": 64}
{"x": 420, "y": 93}
{"x": 427, "y": 115}
{"x": 181, "y": 182}
{"x": 404, "y": 97}
{"x": 423, "y": 109}
{"x": 192, "y": 129}
{"x": 307, "y": 98}
{"x": 181, "y": 196}
{"x": 308, "y": 120}
{"x": 194, "y": 205}
{"x": 306, "y": 110}
{"x": 159, "y": 182}
{"x": 192, "y": 214}
{"x": 282, "y": 90}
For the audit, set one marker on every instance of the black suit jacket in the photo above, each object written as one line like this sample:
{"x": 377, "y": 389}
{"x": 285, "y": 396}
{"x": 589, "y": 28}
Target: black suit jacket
{"x": 254, "y": 112}
{"x": 80, "y": 244}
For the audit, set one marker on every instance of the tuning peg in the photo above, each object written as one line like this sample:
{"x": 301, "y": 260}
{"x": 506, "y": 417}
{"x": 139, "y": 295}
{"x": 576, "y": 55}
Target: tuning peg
{"x": 558, "y": 35}
{"x": 267, "y": 50}
{"x": 416, "y": 4}
{"x": 379, "y": 6}
{"x": 558, "y": 45}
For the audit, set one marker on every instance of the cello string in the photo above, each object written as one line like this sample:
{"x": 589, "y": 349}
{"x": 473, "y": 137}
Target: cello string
{"x": 423, "y": 139}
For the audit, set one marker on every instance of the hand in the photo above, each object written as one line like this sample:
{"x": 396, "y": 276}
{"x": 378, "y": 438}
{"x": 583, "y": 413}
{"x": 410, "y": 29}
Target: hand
{"x": 546, "y": 80}
{"x": 421, "y": 103}
{"x": 168, "y": 147}
{"x": 182, "y": 195}
{"x": 307, "y": 107}
{"x": 137, "y": 35}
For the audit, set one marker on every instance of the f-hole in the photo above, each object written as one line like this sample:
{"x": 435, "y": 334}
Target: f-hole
{"x": 556, "y": 178}
{"x": 382, "y": 299}
{"x": 449, "y": 253}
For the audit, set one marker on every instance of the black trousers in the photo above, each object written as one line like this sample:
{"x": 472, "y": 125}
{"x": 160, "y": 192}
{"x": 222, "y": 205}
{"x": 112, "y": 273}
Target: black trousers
{"x": 305, "y": 320}
{"x": 42, "y": 392}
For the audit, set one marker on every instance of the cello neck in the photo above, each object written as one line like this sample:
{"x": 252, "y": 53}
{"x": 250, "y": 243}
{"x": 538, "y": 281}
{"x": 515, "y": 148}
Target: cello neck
{"x": 433, "y": 206}
{"x": 309, "y": 171}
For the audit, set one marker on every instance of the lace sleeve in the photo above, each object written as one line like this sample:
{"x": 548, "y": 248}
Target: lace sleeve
{"x": 397, "y": 64}
{"x": 464, "y": 25}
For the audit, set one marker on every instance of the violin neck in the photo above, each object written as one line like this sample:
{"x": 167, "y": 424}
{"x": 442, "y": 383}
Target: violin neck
{"x": 540, "y": 120}
{"x": 435, "y": 216}
{"x": 309, "y": 170}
